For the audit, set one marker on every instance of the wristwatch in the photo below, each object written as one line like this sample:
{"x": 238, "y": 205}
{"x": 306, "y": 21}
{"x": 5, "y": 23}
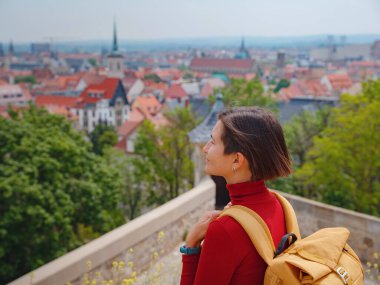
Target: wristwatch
{"x": 189, "y": 250}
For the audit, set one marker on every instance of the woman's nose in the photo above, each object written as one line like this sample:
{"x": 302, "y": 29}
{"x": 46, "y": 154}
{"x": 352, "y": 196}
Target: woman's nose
{"x": 205, "y": 148}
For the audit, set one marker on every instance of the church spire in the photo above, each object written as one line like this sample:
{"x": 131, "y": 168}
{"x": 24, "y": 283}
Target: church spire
{"x": 242, "y": 46}
{"x": 114, "y": 45}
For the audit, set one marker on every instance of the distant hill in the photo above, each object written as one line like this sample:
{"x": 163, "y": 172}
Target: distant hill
{"x": 211, "y": 42}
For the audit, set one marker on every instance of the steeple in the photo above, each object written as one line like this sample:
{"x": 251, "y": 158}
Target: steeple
{"x": 242, "y": 46}
{"x": 11, "y": 48}
{"x": 243, "y": 52}
{"x": 115, "y": 60}
{"x": 115, "y": 48}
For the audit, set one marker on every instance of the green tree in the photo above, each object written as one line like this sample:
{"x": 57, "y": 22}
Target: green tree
{"x": 102, "y": 137}
{"x": 188, "y": 75}
{"x": 176, "y": 145}
{"x": 299, "y": 133}
{"x": 93, "y": 62}
{"x": 154, "y": 77}
{"x": 283, "y": 83}
{"x": 26, "y": 79}
{"x": 301, "y": 129}
{"x": 343, "y": 166}
{"x": 247, "y": 93}
{"x": 52, "y": 187}
{"x": 168, "y": 150}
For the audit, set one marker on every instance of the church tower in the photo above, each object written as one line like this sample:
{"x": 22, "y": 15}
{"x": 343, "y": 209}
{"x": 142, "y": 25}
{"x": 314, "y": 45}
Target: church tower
{"x": 115, "y": 60}
{"x": 243, "y": 52}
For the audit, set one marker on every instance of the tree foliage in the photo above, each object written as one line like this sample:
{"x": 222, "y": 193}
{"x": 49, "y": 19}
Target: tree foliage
{"x": 301, "y": 129}
{"x": 343, "y": 166}
{"x": 247, "y": 93}
{"x": 168, "y": 150}
{"x": 283, "y": 83}
{"x": 102, "y": 137}
{"x": 52, "y": 189}
{"x": 26, "y": 78}
{"x": 154, "y": 77}
{"x": 139, "y": 180}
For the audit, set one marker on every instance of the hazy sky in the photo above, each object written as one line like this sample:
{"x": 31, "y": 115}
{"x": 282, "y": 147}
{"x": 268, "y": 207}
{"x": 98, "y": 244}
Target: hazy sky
{"x": 37, "y": 20}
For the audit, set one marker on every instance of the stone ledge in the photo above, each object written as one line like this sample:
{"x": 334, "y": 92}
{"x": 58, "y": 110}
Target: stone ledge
{"x": 101, "y": 250}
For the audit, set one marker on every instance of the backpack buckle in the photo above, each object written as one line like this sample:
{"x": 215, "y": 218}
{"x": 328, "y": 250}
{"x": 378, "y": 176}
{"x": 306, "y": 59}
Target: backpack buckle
{"x": 343, "y": 274}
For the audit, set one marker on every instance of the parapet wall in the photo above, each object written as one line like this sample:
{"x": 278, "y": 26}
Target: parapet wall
{"x": 174, "y": 219}
{"x": 365, "y": 229}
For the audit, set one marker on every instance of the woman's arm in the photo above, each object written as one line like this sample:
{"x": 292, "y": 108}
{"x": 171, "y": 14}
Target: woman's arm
{"x": 219, "y": 258}
{"x": 194, "y": 239}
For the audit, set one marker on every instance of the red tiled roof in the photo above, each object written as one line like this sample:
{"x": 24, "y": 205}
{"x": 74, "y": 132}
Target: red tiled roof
{"x": 106, "y": 88}
{"x": 313, "y": 87}
{"x": 127, "y": 128}
{"x": 149, "y": 105}
{"x": 93, "y": 78}
{"x": 224, "y": 63}
{"x": 176, "y": 91}
{"x": 45, "y": 100}
{"x": 43, "y": 73}
{"x": 207, "y": 90}
{"x": 292, "y": 91}
{"x": 340, "y": 81}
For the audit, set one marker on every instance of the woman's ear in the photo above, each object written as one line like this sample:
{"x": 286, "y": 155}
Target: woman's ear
{"x": 239, "y": 160}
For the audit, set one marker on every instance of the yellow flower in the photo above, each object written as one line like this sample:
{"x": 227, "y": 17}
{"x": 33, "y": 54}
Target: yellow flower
{"x": 114, "y": 264}
{"x": 155, "y": 255}
{"x": 121, "y": 265}
{"x": 375, "y": 265}
{"x": 134, "y": 274}
{"x": 131, "y": 250}
{"x": 88, "y": 263}
{"x": 161, "y": 234}
{"x": 68, "y": 283}
{"x": 97, "y": 274}
{"x": 375, "y": 255}
{"x": 130, "y": 264}
{"x": 369, "y": 264}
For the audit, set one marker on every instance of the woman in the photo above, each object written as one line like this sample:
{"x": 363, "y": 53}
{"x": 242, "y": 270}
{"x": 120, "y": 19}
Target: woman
{"x": 247, "y": 147}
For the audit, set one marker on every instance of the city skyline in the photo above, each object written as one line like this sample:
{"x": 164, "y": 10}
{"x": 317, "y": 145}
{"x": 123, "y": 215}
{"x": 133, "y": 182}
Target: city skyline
{"x": 42, "y": 20}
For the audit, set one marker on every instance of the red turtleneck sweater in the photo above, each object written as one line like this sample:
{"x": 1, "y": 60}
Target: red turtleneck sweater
{"x": 228, "y": 255}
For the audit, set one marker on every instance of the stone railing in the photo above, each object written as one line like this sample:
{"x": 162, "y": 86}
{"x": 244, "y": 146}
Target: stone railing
{"x": 173, "y": 218}
{"x": 365, "y": 229}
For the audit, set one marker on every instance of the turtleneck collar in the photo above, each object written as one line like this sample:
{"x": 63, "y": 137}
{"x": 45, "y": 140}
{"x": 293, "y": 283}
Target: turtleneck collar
{"x": 250, "y": 192}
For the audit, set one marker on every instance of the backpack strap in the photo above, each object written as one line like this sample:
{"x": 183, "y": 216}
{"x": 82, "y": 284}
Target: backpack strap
{"x": 256, "y": 229}
{"x": 290, "y": 215}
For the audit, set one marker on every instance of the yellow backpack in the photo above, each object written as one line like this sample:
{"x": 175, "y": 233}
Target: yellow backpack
{"x": 323, "y": 258}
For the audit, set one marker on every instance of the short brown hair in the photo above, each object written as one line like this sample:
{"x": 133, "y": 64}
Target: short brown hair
{"x": 257, "y": 134}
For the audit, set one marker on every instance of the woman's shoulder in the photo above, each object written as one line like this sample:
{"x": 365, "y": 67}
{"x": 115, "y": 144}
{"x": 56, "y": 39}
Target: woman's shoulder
{"x": 227, "y": 226}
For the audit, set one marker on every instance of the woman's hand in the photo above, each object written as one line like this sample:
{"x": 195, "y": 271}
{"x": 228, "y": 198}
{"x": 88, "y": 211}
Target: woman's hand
{"x": 198, "y": 231}
{"x": 228, "y": 205}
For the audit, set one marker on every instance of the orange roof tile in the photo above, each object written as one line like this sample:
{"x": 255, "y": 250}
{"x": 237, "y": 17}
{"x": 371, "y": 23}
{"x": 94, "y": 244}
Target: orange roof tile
{"x": 176, "y": 91}
{"x": 51, "y": 100}
{"x": 224, "y": 63}
{"x": 340, "y": 81}
{"x": 149, "y": 105}
{"x": 107, "y": 88}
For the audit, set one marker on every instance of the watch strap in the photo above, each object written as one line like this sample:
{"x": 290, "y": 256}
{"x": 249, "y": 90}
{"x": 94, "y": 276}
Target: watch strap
{"x": 190, "y": 250}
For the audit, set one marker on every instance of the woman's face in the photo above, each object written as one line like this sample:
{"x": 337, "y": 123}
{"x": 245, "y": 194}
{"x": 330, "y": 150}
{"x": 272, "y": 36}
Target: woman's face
{"x": 216, "y": 162}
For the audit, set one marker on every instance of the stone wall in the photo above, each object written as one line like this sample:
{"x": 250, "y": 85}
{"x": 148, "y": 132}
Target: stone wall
{"x": 365, "y": 229}
{"x": 172, "y": 220}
